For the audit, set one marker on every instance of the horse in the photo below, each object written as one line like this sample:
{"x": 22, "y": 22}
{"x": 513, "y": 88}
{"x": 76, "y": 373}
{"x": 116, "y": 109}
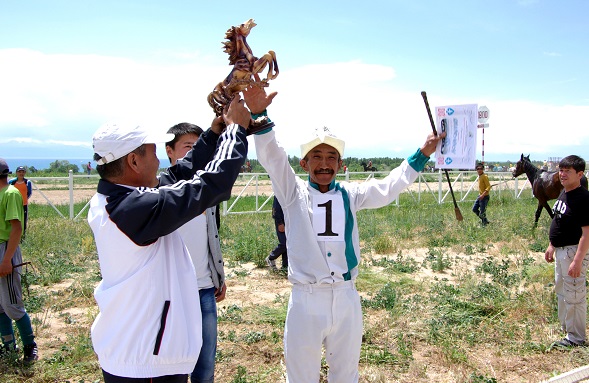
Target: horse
{"x": 546, "y": 185}
{"x": 368, "y": 168}
{"x": 245, "y": 67}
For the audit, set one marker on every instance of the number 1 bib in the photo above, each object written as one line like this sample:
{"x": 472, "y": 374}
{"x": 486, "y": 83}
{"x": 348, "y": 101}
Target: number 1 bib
{"x": 329, "y": 217}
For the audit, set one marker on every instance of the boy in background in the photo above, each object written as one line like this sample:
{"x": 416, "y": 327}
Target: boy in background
{"x": 201, "y": 237}
{"x": 480, "y": 205}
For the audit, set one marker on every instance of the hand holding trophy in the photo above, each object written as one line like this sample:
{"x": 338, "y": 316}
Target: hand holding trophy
{"x": 244, "y": 74}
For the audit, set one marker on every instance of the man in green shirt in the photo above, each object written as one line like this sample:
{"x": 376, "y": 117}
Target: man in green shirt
{"x": 11, "y": 303}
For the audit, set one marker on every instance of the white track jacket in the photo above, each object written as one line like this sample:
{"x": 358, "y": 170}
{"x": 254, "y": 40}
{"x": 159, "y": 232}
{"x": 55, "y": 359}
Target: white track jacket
{"x": 149, "y": 323}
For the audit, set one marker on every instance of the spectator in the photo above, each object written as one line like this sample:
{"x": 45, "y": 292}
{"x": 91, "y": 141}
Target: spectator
{"x": 280, "y": 249}
{"x": 201, "y": 237}
{"x": 89, "y": 168}
{"x": 11, "y": 303}
{"x": 569, "y": 250}
{"x": 480, "y": 205}
{"x": 149, "y": 327}
{"x": 25, "y": 187}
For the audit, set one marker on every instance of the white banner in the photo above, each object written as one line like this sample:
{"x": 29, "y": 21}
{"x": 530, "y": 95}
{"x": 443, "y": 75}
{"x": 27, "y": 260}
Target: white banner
{"x": 458, "y": 149}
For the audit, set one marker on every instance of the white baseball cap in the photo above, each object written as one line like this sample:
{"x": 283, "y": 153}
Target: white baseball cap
{"x": 323, "y": 136}
{"x": 115, "y": 140}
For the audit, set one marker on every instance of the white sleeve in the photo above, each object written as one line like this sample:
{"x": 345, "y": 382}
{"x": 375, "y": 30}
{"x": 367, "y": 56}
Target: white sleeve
{"x": 274, "y": 159}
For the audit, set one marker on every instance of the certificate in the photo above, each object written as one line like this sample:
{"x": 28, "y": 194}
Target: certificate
{"x": 458, "y": 149}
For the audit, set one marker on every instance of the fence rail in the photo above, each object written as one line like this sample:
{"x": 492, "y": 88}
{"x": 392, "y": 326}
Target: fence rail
{"x": 464, "y": 185}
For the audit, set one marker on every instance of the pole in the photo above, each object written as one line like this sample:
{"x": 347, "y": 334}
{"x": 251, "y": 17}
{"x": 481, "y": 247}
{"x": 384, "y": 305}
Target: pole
{"x": 483, "y": 145}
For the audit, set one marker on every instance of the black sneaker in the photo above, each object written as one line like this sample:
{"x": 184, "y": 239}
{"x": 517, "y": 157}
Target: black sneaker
{"x": 30, "y": 351}
{"x": 564, "y": 344}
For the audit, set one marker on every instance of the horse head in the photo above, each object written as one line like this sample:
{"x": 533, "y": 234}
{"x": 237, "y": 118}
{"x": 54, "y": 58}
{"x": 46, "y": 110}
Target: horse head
{"x": 245, "y": 28}
{"x": 519, "y": 167}
{"x": 236, "y": 45}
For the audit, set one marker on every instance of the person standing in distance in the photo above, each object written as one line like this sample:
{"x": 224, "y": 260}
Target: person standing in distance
{"x": 280, "y": 249}
{"x": 480, "y": 205}
{"x": 25, "y": 187}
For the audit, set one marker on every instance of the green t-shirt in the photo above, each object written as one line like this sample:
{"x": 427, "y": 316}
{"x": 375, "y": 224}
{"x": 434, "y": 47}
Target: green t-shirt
{"x": 10, "y": 208}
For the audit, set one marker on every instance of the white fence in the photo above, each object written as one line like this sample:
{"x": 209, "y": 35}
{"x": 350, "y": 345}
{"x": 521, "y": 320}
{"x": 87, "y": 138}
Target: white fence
{"x": 464, "y": 186}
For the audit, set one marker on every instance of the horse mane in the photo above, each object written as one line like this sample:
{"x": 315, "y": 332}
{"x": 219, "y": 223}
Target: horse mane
{"x": 230, "y": 45}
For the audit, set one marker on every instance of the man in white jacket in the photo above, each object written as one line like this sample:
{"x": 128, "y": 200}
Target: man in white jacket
{"x": 323, "y": 245}
{"x": 148, "y": 328}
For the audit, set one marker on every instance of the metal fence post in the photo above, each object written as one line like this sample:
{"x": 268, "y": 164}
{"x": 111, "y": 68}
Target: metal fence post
{"x": 71, "y": 187}
{"x": 439, "y": 186}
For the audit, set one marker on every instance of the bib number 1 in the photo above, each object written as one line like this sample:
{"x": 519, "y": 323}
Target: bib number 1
{"x": 328, "y": 218}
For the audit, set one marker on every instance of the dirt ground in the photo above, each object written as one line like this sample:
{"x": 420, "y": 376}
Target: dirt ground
{"x": 260, "y": 287}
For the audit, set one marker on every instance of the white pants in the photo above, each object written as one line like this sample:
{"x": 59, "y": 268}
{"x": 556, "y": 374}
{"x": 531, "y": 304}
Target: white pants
{"x": 327, "y": 315}
{"x": 571, "y": 294}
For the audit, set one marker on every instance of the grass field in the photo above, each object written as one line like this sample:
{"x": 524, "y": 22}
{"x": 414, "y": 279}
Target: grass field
{"x": 443, "y": 301}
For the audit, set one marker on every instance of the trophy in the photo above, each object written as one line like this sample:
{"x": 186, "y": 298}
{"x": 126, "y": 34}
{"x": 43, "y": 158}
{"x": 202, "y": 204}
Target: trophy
{"x": 245, "y": 66}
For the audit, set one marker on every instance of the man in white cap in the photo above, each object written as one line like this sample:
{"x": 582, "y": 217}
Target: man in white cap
{"x": 323, "y": 245}
{"x": 148, "y": 328}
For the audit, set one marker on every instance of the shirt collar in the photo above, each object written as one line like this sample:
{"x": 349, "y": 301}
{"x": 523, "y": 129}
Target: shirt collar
{"x": 316, "y": 186}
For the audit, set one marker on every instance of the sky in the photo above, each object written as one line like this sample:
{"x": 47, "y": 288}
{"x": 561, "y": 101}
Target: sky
{"x": 67, "y": 67}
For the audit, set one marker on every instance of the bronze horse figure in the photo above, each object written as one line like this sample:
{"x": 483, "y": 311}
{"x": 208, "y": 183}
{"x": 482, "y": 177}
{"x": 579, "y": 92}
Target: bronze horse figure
{"x": 545, "y": 185}
{"x": 246, "y": 67}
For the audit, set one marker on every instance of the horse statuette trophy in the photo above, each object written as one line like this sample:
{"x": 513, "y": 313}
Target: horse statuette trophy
{"x": 245, "y": 66}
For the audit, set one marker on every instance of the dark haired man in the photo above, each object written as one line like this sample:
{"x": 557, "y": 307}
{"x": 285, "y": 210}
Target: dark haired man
{"x": 568, "y": 249}
{"x": 201, "y": 237}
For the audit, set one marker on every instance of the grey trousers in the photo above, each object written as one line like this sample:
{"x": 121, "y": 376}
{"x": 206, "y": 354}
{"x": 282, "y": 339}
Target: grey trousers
{"x": 11, "y": 301}
{"x": 571, "y": 294}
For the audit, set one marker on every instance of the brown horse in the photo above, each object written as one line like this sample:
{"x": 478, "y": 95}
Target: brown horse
{"x": 545, "y": 185}
{"x": 368, "y": 168}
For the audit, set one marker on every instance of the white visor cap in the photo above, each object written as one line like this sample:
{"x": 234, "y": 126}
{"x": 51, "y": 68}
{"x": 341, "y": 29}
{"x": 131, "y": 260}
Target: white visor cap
{"x": 323, "y": 136}
{"x": 114, "y": 140}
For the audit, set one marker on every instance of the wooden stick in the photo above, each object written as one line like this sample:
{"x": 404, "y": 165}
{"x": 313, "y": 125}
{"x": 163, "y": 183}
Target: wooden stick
{"x": 21, "y": 264}
{"x": 431, "y": 120}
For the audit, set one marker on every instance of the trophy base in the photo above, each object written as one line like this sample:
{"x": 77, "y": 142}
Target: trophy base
{"x": 258, "y": 125}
